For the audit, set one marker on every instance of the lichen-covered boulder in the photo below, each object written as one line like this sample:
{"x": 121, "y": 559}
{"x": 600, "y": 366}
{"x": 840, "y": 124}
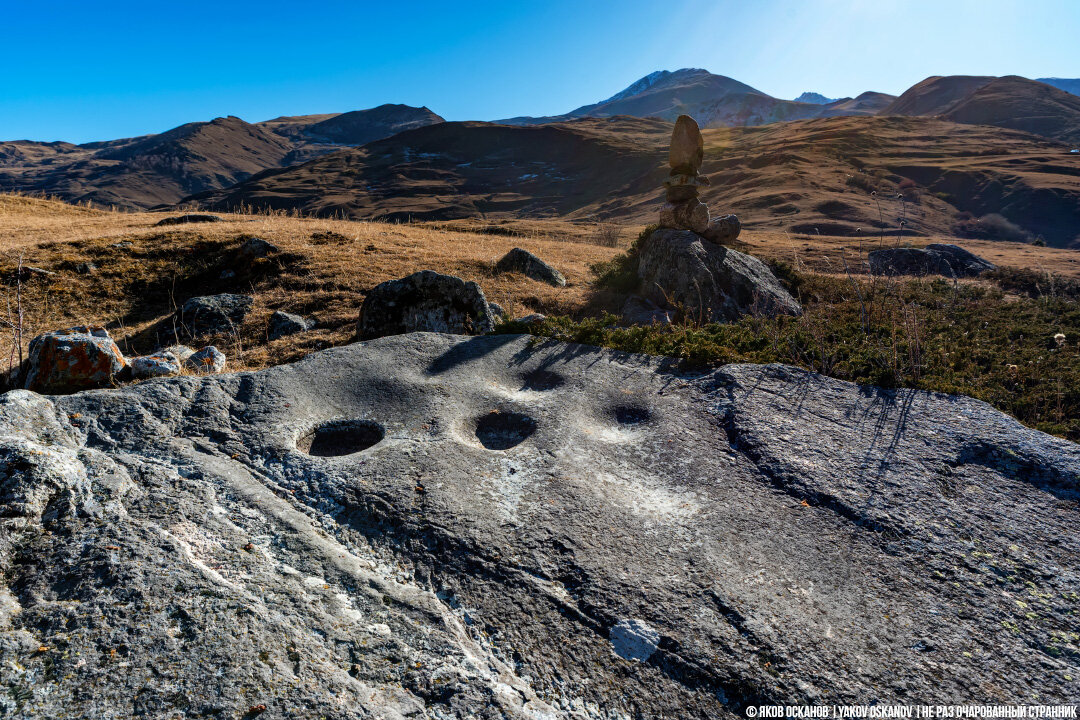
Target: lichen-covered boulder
{"x": 206, "y": 361}
{"x": 255, "y": 248}
{"x": 425, "y": 301}
{"x": 159, "y": 364}
{"x": 212, "y": 314}
{"x": 78, "y": 358}
{"x": 709, "y": 282}
{"x": 283, "y": 324}
{"x": 524, "y": 262}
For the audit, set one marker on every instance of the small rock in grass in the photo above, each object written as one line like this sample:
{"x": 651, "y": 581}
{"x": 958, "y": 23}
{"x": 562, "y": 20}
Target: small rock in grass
{"x": 206, "y": 361}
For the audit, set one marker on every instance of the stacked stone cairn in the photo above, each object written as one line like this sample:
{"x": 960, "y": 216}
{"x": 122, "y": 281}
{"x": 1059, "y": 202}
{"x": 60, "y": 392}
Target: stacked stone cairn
{"x": 683, "y": 210}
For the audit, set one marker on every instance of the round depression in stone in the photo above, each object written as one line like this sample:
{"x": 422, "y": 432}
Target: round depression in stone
{"x": 341, "y": 437}
{"x": 631, "y": 414}
{"x": 542, "y": 380}
{"x": 503, "y": 430}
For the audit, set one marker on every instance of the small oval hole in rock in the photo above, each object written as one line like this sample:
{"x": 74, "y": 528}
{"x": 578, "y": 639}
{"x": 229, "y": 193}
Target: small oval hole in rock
{"x": 540, "y": 380}
{"x": 631, "y": 414}
{"x": 341, "y": 437}
{"x": 503, "y": 430}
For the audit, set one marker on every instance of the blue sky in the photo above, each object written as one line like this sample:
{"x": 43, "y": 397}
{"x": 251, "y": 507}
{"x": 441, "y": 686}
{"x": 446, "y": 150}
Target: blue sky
{"x": 82, "y": 71}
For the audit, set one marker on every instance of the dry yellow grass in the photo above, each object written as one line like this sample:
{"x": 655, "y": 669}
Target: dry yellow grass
{"x": 144, "y": 272}
{"x": 134, "y": 287}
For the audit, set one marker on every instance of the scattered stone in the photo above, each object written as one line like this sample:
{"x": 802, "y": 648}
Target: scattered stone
{"x": 159, "y": 364}
{"x": 227, "y": 275}
{"x": 723, "y": 229}
{"x": 425, "y": 301}
{"x": 123, "y": 245}
{"x": 78, "y": 358}
{"x": 86, "y": 268}
{"x": 709, "y": 282}
{"x": 532, "y": 319}
{"x": 256, "y": 249}
{"x": 524, "y": 262}
{"x": 181, "y": 352}
{"x": 935, "y": 259}
{"x": 634, "y": 640}
{"x": 497, "y": 312}
{"x": 642, "y": 311}
{"x": 213, "y": 314}
{"x": 283, "y": 324}
{"x": 206, "y": 361}
{"x": 185, "y": 219}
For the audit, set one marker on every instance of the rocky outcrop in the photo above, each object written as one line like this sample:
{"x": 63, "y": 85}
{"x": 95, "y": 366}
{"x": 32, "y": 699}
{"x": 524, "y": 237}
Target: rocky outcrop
{"x": 708, "y": 282}
{"x": 74, "y": 359}
{"x": 186, "y": 219}
{"x": 255, "y": 248}
{"x": 524, "y": 262}
{"x": 283, "y": 324}
{"x": 425, "y": 301}
{"x": 934, "y": 259}
{"x": 211, "y": 315}
{"x": 433, "y": 525}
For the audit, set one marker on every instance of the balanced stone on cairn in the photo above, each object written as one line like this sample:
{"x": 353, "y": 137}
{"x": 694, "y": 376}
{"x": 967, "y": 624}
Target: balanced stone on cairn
{"x": 683, "y": 210}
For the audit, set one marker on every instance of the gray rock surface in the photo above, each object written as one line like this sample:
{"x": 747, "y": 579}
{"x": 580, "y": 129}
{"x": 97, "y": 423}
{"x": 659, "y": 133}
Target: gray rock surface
{"x": 529, "y": 265}
{"x": 709, "y": 282}
{"x": 655, "y": 545}
{"x": 206, "y": 361}
{"x": 211, "y": 314}
{"x": 934, "y": 259}
{"x": 425, "y": 301}
{"x": 283, "y": 324}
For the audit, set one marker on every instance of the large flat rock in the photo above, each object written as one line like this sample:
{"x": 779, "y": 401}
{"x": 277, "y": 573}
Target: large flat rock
{"x": 530, "y": 530}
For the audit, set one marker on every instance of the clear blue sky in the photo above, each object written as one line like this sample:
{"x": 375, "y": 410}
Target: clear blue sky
{"x": 82, "y": 71}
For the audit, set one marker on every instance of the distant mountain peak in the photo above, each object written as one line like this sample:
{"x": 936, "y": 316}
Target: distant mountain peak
{"x": 815, "y": 98}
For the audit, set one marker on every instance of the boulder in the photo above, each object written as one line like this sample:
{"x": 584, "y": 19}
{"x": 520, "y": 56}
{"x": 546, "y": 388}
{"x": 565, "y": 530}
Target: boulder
{"x": 723, "y": 229}
{"x": 935, "y": 259}
{"x": 498, "y": 314}
{"x": 75, "y": 359}
{"x": 532, "y": 319}
{"x": 282, "y": 324}
{"x": 709, "y": 282}
{"x": 359, "y": 535}
{"x": 212, "y": 314}
{"x": 425, "y": 301}
{"x": 641, "y": 311}
{"x": 159, "y": 364}
{"x": 524, "y": 262}
{"x": 188, "y": 218}
{"x": 256, "y": 249}
{"x": 206, "y": 361}
{"x": 691, "y": 215}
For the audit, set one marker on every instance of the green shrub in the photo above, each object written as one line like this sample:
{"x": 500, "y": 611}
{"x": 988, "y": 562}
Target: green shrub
{"x": 620, "y": 272}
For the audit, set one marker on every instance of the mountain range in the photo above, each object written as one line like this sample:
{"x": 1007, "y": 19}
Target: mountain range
{"x": 985, "y": 145}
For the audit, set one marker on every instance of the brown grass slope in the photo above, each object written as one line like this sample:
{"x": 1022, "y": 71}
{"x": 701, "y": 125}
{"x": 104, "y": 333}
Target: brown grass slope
{"x": 161, "y": 169}
{"x": 824, "y": 176}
